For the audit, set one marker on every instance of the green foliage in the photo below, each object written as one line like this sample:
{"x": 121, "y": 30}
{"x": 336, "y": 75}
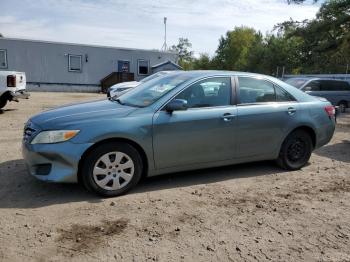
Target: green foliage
{"x": 236, "y": 48}
{"x": 321, "y": 45}
{"x": 203, "y": 62}
{"x": 185, "y": 55}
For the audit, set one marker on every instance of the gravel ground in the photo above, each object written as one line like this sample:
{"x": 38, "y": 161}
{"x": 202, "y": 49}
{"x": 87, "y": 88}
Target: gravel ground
{"x": 245, "y": 212}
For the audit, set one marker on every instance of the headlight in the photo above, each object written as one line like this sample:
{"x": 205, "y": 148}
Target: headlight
{"x": 55, "y": 136}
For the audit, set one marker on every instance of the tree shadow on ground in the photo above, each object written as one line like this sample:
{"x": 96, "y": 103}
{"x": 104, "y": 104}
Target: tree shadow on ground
{"x": 339, "y": 151}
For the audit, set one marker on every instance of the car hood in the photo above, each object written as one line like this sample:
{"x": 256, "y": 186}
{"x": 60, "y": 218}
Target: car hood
{"x": 80, "y": 113}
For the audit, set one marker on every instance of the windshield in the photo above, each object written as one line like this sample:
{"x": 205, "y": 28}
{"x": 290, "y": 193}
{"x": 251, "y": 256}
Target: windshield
{"x": 147, "y": 93}
{"x": 153, "y": 76}
{"x": 296, "y": 82}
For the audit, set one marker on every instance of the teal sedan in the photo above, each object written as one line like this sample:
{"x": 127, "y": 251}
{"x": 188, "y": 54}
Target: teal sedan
{"x": 177, "y": 122}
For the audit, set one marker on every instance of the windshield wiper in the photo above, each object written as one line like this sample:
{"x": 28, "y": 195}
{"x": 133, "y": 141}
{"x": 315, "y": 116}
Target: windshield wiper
{"x": 119, "y": 101}
{"x": 124, "y": 104}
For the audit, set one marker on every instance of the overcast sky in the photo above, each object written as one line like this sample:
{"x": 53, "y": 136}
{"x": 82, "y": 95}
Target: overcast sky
{"x": 139, "y": 24}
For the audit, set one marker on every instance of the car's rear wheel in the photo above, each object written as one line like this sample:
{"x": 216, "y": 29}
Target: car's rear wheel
{"x": 342, "y": 106}
{"x": 295, "y": 151}
{"x": 112, "y": 169}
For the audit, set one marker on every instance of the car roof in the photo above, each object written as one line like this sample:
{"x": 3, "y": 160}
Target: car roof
{"x": 317, "y": 78}
{"x": 204, "y": 73}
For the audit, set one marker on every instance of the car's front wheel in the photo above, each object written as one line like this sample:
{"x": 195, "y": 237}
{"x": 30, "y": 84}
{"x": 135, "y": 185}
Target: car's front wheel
{"x": 295, "y": 151}
{"x": 112, "y": 169}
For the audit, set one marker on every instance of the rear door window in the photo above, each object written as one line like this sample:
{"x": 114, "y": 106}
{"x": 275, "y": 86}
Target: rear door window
{"x": 283, "y": 96}
{"x": 253, "y": 90}
{"x": 330, "y": 85}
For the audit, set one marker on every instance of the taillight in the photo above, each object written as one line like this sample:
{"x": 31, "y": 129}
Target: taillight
{"x": 330, "y": 110}
{"x": 11, "y": 80}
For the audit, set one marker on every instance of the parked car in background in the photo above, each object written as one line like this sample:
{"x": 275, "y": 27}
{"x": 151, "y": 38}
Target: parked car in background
{"x": 176, "y": 122}
{"x": 335, "y": 91}
{"x": 121, "y": 88}
{"x": 12, "y": 87}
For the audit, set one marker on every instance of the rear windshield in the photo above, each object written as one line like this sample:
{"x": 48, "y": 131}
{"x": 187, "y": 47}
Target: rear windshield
{"x": 296, "y": 82}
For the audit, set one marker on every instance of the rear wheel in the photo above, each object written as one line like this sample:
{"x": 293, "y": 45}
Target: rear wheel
{"x": 3, "y": 102}
{"x": 342, "y": 106}
{"x": 112, "y": 169}
{"x": 295, "y": 151}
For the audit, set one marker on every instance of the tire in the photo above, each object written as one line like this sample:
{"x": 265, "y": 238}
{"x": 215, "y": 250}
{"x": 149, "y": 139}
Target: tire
{"x": 109, "y": 166}
{"x": 342, "y": 106}
{"x": 3, "y": 102}
{"x": 295, "y": 151}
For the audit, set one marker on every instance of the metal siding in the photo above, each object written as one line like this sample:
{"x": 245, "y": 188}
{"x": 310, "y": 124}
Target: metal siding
{"x": 46, "y": 62}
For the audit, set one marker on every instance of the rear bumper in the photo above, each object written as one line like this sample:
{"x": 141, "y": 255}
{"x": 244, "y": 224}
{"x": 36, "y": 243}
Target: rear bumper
{"x": 325, "y": 133}
{"x": 20, "y": 94}
{"x": 54, "y": 162}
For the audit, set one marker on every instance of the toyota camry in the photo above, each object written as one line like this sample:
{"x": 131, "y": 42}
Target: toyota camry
{"x": 177, "y": 122}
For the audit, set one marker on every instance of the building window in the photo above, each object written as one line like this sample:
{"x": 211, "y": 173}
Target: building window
{"x": 143, "y": 67}
{"x": 124, "y": 66}
{"x": 3, "y": 58}
{"x": 74, "y": 63}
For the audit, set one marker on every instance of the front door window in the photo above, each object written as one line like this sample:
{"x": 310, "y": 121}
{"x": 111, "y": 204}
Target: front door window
{"x": 208, "y": 93}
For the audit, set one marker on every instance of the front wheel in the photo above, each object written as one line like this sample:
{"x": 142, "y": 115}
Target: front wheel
{"x": 112, "y": 169}
{"x": 295, "y": 151}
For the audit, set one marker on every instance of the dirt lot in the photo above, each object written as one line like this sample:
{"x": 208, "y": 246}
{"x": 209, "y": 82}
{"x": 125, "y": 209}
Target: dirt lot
{"x": 238, "y": 213}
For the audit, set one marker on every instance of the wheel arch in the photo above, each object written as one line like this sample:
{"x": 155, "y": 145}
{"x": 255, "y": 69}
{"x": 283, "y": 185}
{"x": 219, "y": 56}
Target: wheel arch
{"x": 140, "y": 150}
{"x": 307, "y": 129}
{"x": 6, "y": 95}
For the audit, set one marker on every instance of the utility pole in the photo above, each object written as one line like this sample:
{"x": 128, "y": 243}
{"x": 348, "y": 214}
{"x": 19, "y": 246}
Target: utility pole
{"x": 347, "y": 68}
{"x": 277, "y": 72}
{"x": 165, "y": 47}
{"x": 283, "y": 72}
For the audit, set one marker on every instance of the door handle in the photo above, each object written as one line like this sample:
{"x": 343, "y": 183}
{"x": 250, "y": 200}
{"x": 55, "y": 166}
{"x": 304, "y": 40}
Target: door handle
{"x": 227, "y": 117}
{"x": 291, "y": 110}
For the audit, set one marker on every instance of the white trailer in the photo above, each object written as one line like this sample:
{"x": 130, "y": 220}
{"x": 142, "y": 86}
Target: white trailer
{"x": 12, "y": 86}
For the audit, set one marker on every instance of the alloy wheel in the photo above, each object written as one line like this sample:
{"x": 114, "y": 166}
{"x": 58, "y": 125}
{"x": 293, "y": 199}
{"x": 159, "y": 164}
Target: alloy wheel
{"x": 113, "y": 170}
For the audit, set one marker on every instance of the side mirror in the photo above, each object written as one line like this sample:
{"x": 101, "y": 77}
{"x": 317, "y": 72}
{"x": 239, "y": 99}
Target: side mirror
{"x": 176, "y": 105}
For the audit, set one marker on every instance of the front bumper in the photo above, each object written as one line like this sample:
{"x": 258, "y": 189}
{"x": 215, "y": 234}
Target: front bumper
{"x": 54, "y": 162}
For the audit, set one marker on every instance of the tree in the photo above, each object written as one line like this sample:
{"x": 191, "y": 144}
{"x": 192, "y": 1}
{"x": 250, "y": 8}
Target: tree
{"x": 326, "y": 39}
{"x": 203, "y": 62}
{"x": 185, "y": 54}
{"x": 235, "y": 49}
{"x": 320, "y": 45}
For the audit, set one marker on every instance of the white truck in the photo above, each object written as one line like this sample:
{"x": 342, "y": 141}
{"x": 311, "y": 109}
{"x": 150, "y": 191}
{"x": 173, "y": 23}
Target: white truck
{"x": 12, "y": 87}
